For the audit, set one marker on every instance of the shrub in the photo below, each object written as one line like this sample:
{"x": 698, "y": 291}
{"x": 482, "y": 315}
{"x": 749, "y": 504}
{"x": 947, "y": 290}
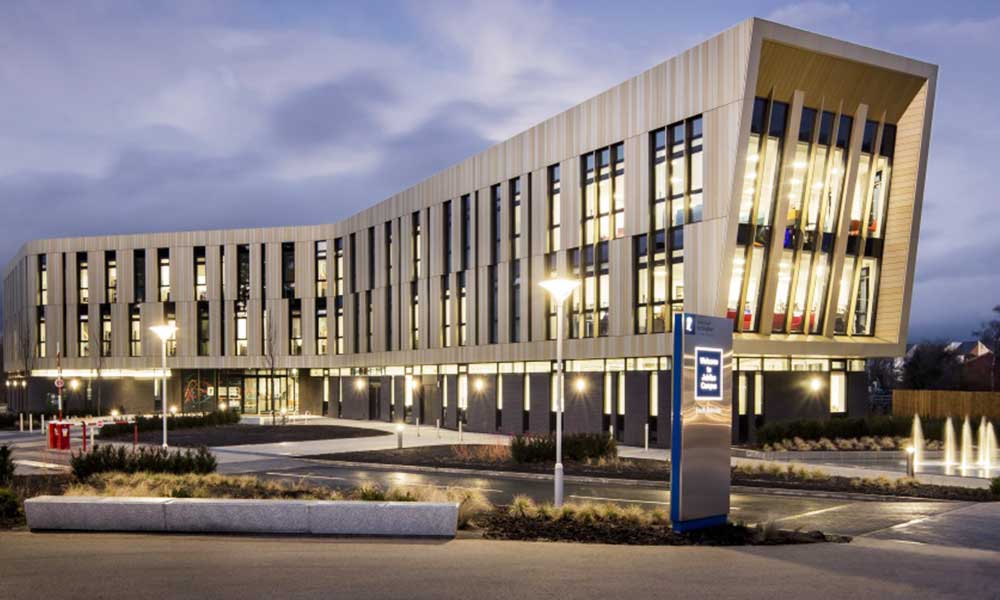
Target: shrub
{"x": 995, "y": 487}
{"x": 9, "y": 506}
{"x": 143, "y": 459}
{"x": 6, "y": 466}
{"x": 212, "y": 419}
{"x": 576, "y": 447}
{"x": 8, "y": 420}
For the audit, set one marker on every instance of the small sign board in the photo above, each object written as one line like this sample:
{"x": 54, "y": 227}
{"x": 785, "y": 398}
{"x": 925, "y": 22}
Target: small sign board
{"x": 60, "y": 383}
{"x": 701, "y": 421}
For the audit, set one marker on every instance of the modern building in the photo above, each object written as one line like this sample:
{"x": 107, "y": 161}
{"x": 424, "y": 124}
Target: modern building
{"x": 770, "y": 175}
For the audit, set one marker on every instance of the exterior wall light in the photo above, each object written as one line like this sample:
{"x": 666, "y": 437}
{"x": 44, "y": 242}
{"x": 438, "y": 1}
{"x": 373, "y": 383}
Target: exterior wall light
{"x": 479, "y": 385}
{"x": 74, "y": 384}
{"x": 413, "y": 383}
{"x": 580, "y": 384}
{"x": 222, "y": 406}
{"x": 359, "y": 384}
{"x": 815, "y": 384}
{"x": 114, "y": 412}
{"x": 173, "y": 410}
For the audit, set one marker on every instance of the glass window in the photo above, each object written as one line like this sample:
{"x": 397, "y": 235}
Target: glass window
{"x": 135, "y": 331}
{"x": 319, "y": 250}
{"x": 838, "y": 395}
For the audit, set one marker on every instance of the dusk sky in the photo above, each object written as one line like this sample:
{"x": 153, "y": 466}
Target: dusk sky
{"x": 149, "y": 116}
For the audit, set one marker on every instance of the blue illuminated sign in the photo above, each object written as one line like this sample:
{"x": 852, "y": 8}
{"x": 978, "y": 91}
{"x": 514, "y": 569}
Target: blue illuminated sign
{"x": 708, "y": 374}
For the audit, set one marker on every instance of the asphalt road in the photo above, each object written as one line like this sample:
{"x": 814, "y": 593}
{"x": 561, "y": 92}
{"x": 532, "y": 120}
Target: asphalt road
{"x": 831, "y": 515}
{"x": 174, "y": 566}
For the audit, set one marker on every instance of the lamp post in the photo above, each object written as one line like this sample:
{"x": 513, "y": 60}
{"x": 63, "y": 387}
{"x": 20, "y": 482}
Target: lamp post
{"x": 559, "y": 290}
{"x": 164, "y": 332}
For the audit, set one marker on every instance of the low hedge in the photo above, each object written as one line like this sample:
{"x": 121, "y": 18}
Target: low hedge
{"x": 212, "y": 419}
{"x": 838, "y": 427}
{"x": 10, "y": 507}
{"x": 576, "y": 447}
{"x": 6, "y": 465}
{"x": 122, "y": 459}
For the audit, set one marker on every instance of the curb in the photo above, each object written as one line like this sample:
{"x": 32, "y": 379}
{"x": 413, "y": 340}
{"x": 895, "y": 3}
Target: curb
{"x": 665, "y": 485}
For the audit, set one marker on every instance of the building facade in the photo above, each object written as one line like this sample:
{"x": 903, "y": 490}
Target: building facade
{"x": 769, "y": 175}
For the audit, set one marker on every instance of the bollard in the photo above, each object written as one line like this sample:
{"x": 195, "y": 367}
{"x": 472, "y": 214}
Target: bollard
{"x": 647, "y": 437}
{"x": 611, "y": 430}
{"x": 92, "y": 437}
{"x": 399, "y": 437}
{"x": 911, "y": 467}
{"x": 31, "y": 422}
{"x": 437, "y": 427}
{"x": 43, "y": 424}
{"x": 22, "y": 422}
{"x": 460, "y": 431}
{"x": 135, "y": 436}
{"x": 84, "y": 437}
{"x": 418, "y": 426}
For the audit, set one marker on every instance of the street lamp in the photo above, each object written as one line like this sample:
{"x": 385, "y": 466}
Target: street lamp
{"x": 559, "y": 290}
{"x": 164, "y": 332}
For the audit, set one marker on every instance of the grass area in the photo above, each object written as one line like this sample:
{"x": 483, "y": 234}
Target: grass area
{"x": 236, "y": 435}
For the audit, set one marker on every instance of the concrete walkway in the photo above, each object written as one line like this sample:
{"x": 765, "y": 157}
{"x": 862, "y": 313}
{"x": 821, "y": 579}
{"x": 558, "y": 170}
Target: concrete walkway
{"x": 412, "y": 438}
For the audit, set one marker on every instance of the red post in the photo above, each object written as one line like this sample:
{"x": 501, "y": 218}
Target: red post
{"x": 84, "y": 425}
{"x": 135, "y": 436}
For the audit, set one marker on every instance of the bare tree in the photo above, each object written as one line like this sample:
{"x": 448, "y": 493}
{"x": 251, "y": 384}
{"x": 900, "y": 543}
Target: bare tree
{"x": 989, "y": 335}
{"x": 270, "y": 356}
{"x": 99, "y": 367}
{"x": 25, "y": 345}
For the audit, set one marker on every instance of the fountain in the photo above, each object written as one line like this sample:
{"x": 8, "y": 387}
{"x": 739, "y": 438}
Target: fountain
{"x": 991, "y": 448}
{"x": 966, "y": 458}
{"x": 918, "y": 442}
{"x": 982, "y": 448}
{"x": 949, "y": 444}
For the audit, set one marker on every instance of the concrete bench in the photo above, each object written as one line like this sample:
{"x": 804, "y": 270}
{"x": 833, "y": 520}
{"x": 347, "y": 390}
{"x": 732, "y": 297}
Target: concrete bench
{"x": 194, "y": 515}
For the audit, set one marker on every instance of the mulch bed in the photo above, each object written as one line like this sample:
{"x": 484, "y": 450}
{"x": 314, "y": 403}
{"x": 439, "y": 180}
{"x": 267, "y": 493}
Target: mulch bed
{"x": 445, "y": 457}
{"x": 499, "y": 525}
{"x": 236, "y": 435}
{"x": 858, "y": 486}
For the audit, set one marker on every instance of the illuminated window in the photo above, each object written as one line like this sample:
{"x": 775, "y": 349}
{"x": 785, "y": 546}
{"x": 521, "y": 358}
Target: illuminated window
{"x": 40, "y": 332}
{"x": 553, "y": 240}
{"x": 82, "y": 278}
{"x": 838, "y": 396}
{"x": 322, "y": 328}
{"x": 111, "y": 276}
{"x": 163, "y": 271}
{"x": 135, "y": 330}
{"x": 43, "y": 280}
{"x": 200, "y": 274}
{"x": 319, "y": 251}
{"x": 603, "y": 194}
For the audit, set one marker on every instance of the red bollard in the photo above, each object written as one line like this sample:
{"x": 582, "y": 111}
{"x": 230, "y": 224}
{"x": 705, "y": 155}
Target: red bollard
{"x": 84, "y": 425}
{"x": 135, "y": 436}
{"x": 52, "y": 437}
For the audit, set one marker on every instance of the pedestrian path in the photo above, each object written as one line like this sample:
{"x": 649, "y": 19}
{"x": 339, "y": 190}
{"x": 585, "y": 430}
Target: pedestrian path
{"x": 413, "y": 437}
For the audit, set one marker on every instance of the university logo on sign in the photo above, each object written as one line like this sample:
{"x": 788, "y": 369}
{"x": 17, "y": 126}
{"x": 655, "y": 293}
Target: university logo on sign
{"x": 708, "y": 374}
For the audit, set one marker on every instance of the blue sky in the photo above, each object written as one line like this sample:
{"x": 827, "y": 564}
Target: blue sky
{"x": 158, "y": 116}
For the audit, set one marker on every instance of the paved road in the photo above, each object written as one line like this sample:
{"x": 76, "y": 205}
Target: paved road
{"x": 145, "y": 566}
{"x": 831, "y": 515}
